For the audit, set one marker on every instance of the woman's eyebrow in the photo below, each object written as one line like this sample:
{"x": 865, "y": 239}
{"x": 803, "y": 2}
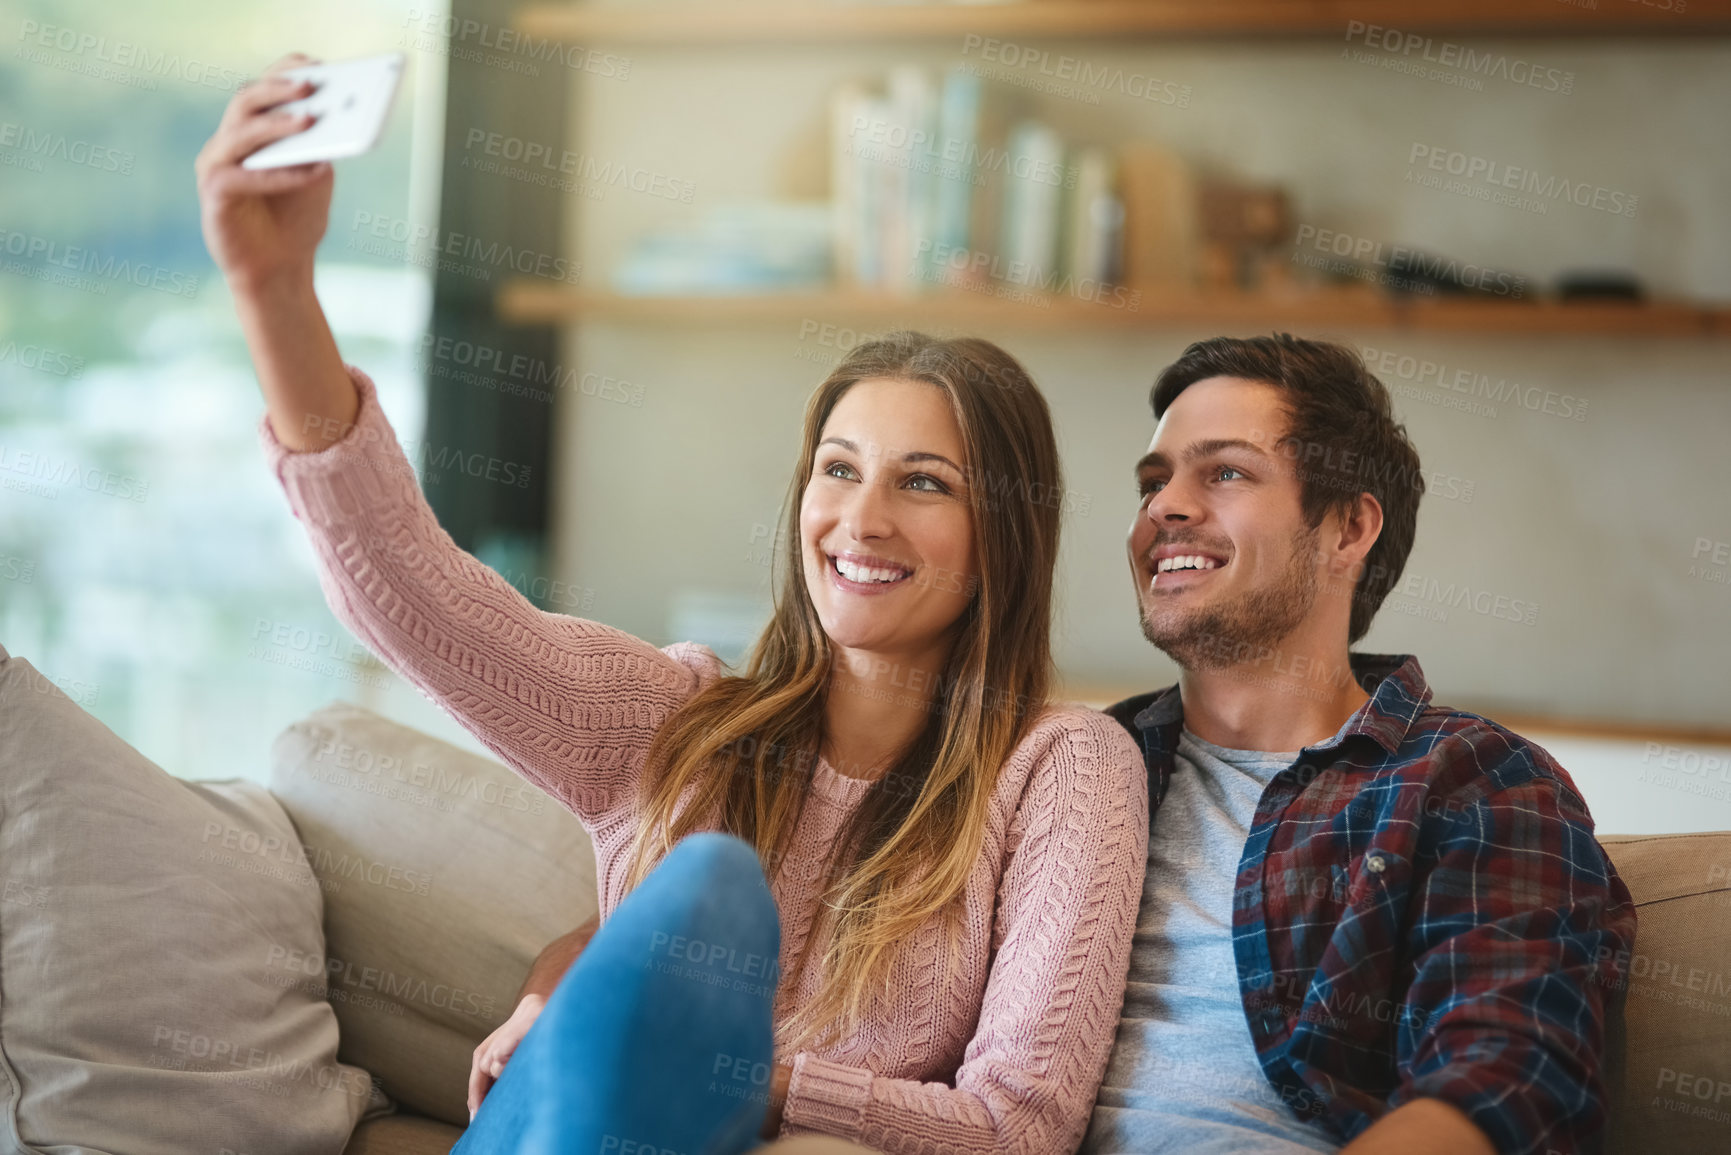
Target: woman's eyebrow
{"x": 906, "y": 458}
{"x": 911, "y": 458}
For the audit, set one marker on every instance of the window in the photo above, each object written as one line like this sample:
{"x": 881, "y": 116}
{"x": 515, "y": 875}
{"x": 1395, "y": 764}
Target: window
{"x": 148, "y": 562}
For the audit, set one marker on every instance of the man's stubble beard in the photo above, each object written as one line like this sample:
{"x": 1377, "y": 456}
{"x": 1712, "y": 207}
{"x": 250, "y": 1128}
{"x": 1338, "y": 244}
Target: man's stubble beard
{"x": 1225, "y": 635}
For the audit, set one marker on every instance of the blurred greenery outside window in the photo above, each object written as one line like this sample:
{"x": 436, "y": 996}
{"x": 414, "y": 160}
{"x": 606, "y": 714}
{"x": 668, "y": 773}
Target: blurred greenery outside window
{"x": 149, "y": 565}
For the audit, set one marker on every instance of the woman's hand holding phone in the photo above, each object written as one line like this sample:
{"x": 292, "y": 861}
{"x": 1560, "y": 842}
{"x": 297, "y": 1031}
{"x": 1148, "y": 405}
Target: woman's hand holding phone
{"x": 262, "y": 224}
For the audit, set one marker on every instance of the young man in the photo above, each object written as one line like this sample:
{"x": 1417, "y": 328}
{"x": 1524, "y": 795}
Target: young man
{"x": 1367, "y": 920}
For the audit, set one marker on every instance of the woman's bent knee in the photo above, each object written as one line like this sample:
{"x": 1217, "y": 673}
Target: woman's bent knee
{"x": 711, "y": 854}
{"x": 709, "y": 886}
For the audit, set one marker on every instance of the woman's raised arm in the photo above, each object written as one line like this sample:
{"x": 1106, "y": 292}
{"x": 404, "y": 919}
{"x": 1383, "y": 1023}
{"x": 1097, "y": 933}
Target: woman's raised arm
{"x": 570, "y": 704}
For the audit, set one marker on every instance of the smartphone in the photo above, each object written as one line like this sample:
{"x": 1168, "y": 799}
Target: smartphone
{"x": 351, "y": 100}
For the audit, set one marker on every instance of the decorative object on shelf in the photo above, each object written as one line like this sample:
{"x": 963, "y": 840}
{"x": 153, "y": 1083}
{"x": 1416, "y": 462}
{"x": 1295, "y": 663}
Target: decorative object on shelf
{"x": 1609, "y": 285}
{"x": 1243, "y": 227}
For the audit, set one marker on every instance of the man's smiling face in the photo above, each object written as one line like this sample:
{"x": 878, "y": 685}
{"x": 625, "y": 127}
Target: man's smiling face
{"x": 1220, "y": 551}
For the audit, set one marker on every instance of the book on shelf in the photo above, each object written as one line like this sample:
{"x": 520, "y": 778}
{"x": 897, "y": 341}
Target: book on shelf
{"x": 960, "y": 109}
{"x": 1161, "y": 216}
{"x": 909, "y": 207}
{"x": 946, "y": 181}
{"x": 1034, "y": 183}
{"x": 1093, "y": 219}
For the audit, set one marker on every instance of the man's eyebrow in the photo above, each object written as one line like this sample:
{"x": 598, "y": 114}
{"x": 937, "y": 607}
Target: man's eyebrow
{"x": 1210, "y": 448}
{"x": 906, "y": 458}
{"x": 1153, "y": 459}
{"x": 1158, "y": 460}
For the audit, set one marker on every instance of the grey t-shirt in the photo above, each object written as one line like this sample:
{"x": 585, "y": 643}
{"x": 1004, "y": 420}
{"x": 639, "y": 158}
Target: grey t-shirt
{"x": 1183, "y": 1076}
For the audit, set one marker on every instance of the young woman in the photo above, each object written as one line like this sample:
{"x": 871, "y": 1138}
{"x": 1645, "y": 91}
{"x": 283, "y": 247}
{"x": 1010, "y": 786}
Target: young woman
{"x": 886, "y": 863}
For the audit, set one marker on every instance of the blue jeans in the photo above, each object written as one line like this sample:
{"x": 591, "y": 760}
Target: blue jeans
{"x": 659, "y": 1037}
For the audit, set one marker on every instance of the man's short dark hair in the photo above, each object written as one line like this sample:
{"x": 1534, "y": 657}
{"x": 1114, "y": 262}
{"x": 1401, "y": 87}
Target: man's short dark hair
{"x": 1343, "y": 440}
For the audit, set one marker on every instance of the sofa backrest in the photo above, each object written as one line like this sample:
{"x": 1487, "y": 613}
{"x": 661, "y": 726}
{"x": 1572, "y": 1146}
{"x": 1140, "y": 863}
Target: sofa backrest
{"x": 444, "y": 875}
{"x": 1669, "y": 1074}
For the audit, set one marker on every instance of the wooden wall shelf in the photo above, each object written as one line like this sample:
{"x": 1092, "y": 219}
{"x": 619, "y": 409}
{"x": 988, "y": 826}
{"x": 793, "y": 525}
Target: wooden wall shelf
{"x": 527, "y": 301}
{"x": 781, "y": 21}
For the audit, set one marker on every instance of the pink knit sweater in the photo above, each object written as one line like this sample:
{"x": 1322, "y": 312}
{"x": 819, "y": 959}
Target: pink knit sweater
{"x": 998, "y": 1048}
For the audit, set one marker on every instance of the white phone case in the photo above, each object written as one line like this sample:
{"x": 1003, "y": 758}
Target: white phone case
{"x": 351, "y": 102}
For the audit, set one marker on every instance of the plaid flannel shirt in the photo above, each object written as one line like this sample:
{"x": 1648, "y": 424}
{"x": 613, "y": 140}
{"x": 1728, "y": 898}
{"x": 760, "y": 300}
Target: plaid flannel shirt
{"x": 1422, "y": 911}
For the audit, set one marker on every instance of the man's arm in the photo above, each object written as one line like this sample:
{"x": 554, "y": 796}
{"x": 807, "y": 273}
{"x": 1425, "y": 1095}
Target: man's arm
{"x": 555, "y": 959}
{"x": 1422, "y": 1127}
{"x": 1516, "y": 934}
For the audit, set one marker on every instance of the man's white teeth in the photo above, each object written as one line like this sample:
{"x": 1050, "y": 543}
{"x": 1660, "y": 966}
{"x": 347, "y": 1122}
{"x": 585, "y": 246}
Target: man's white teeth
{"x": 863, "y": 573}
{"x": 1185, "y": 561}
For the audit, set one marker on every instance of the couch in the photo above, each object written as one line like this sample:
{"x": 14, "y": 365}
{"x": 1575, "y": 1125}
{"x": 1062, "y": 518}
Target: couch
{"x": 1670, "y": 1068}
{"x": 217, "y": 967}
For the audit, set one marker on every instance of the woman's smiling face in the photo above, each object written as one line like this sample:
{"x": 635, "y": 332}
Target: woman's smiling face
{"x": 886, "y": 522}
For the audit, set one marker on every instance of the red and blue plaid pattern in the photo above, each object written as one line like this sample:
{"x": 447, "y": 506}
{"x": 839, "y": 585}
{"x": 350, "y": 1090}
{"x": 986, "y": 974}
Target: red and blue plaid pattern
{"x": 1422, "y": 911}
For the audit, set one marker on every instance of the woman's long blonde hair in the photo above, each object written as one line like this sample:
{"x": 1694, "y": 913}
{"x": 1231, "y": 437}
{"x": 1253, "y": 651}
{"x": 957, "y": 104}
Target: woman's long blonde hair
{"x": 745, "y": 746}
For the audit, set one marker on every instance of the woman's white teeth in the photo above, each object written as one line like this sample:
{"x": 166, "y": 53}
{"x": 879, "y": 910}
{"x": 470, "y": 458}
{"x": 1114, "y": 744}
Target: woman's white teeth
{"x": 1188, "y": 561}
{"x": 863, "y": 573}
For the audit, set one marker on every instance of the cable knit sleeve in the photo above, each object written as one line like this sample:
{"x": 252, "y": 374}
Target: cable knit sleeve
{"x": 1066, "y": 911}
{"x": 570, "y": 704}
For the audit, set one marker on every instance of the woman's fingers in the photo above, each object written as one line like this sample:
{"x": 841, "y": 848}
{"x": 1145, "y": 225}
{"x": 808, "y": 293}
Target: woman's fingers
{"x": 292, "y": 60}
{"x": 479, "y": 1084}
{"x": 500, "y": 1053}
{"x": 252, "y": 135}
{"x": 270, "y": 89}
{"x": 480, "y": 1078}
{"x": 249, "y": 124}
{"x": 490, "y": 1059}
{"x": 266, "y": 93}
{"x": 266, "y": 127}
{"x": 243, "y": 182}
{"x": 231, "y": 146}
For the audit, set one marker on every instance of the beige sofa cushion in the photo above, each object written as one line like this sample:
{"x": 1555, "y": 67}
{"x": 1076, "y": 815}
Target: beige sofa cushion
{"x": 1670, "y": 1071}
{"x": 445, "y": 874}
{"x": 140, "y": 916}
